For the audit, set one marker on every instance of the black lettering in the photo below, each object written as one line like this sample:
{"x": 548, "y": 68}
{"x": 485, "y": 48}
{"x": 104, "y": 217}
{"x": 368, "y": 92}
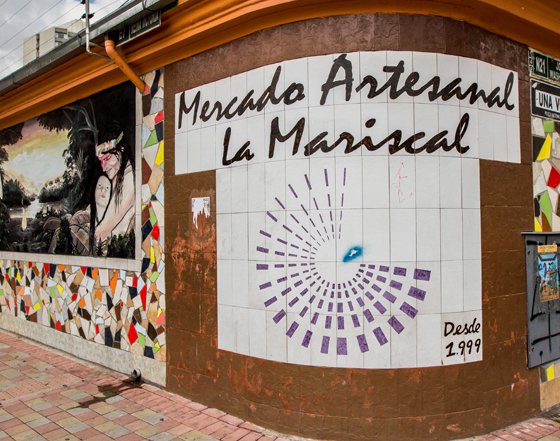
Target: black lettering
{"x": 447, "y": 330}
{"x": 276, "y": 135}
{"x": 340, "y": 62}
{"x": 183, "y": 109}
{"x": 242, "y": 153}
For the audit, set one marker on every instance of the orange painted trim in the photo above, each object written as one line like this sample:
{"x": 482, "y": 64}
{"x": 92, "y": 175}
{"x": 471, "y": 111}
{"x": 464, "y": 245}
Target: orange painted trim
{"x": 195, "y": 26}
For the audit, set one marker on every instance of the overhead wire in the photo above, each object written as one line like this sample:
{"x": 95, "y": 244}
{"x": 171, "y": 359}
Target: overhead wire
{"x": 47, "y": 27}
{"x": 21, "y": 45}
{"x": 40, "y": 16}
{"x": 18, "y": 11}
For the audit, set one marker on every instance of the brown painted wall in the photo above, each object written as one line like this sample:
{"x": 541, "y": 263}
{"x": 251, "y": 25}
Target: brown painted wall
{"x": 425, "y": 403}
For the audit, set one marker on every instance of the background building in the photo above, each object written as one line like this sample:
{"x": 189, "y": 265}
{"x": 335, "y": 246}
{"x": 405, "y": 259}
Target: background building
{"x": 40, "y": 44}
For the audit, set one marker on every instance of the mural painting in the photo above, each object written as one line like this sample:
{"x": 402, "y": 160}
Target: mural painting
{"x": 120, "y": 309}
{"x": 68, "y": 179}
{"x": 348, "y": 203}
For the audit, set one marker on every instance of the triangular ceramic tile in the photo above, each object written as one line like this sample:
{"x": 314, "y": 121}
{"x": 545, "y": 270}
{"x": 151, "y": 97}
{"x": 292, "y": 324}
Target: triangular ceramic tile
{"x": 149, "y": 79}
{"x": 537, "y": 225}
{"x": 151, "y": 140}
{"x": 145, "y": 134}
{"x": 537, "y": 128}
{"x": 546, "y": 206}
{"x": 159, "y": 93}
{"x": 545, "y": 149}
{"x": 556, "y": 145}
{"x": 553, "y": 178}
{"x": 159, "y": 157}
{"x": 150, "y": 154}
{"x": 159, "y": 192}
{"x": 157, "y": 105}
{"x": 537, "y": 170}
{"x": 553, "y": 196}
{"x": 540, "y": 186}
{"x": 158, "y": 211}
{"x": 545, "y": 223}
{"x": 149, "y": 121}
{"x": 555, "y": 163}
{"x": 546, "y": 169}
{"x": 146, "y": 193}
{"x": 155, "y": 179}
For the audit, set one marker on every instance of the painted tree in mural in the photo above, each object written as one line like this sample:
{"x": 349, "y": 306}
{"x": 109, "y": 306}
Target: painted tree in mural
{"x": 8, "y": 136}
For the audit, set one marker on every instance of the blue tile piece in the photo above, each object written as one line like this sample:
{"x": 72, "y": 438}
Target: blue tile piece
{"x": 146, "y": 230}
{"x": 145, "y": 264}
{"x": 159, "y": 131}
{"x": 145, "y": 134}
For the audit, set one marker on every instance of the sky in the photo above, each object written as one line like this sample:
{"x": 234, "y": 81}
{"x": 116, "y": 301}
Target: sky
{"x": 37, "y": 148}
{"x": 20, "y": 19}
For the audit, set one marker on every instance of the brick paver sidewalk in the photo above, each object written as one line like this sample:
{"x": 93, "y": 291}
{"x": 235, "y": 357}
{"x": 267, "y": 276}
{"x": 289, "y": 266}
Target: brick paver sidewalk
{"x": 46, "y": 396}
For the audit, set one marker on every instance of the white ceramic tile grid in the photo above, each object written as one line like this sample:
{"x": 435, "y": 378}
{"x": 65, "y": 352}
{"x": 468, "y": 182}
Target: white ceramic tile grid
{"x": 375, "y": 176}
{"x": 257, "y": 135}
{"x": 443, "y": 190}
{"x": 297, "y": 330}
{"x": 426, "y": 63}
{"x": 257, "y": 333}
{"x": 429, "y": 334}
{"x": 292, "y": 116}
{"x": 207, "y": 93}
{"x": 318, "y": 69}
{"x": 181, "y": 153}
{"x": 470, "y": 138}
{"x": 207, "y": 147}
{"x": 295, "y": 71}
{"x": 432, "y": 300}
{"x": 448, "y": 70}
{"x": 393, "y": 59}
{"x": 269, "y": 73}
{"x": 347, "y": 119}
{"x": 372, "y": 63}
{"x": 400, "y": 118}
{"x": 513, "y": 139}
{"x": 378, "y": 113}
{"x": 241, "y": 325}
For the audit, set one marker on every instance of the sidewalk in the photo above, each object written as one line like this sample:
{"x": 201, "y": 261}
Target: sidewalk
{"x": 47, "y": 396}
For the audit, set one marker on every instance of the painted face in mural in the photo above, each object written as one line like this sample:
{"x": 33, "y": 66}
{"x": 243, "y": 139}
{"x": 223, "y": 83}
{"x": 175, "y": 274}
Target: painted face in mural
{"x": 110, "y": 163}
{"x": 103, "y": 192}
{"x": 109, "y": 156}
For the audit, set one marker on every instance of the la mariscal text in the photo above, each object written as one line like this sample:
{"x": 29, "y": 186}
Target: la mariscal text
{"x": 295, "y": 92}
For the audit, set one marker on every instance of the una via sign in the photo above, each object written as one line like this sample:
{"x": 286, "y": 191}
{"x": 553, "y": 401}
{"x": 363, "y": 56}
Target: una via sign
{"x": 545, "y": 100}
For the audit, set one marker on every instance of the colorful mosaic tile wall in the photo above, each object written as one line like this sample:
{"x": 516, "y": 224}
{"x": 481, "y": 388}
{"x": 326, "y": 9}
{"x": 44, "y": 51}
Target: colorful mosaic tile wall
{"x": 117, "y": 308}
{"x": 546, "y": 174}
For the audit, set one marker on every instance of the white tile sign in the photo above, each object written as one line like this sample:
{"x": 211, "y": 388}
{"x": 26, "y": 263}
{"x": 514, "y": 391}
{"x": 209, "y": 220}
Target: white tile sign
{"x": 348, "y": 203}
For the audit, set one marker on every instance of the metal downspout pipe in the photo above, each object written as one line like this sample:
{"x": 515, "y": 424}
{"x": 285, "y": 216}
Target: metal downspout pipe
{"x": 113, "y": 55}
